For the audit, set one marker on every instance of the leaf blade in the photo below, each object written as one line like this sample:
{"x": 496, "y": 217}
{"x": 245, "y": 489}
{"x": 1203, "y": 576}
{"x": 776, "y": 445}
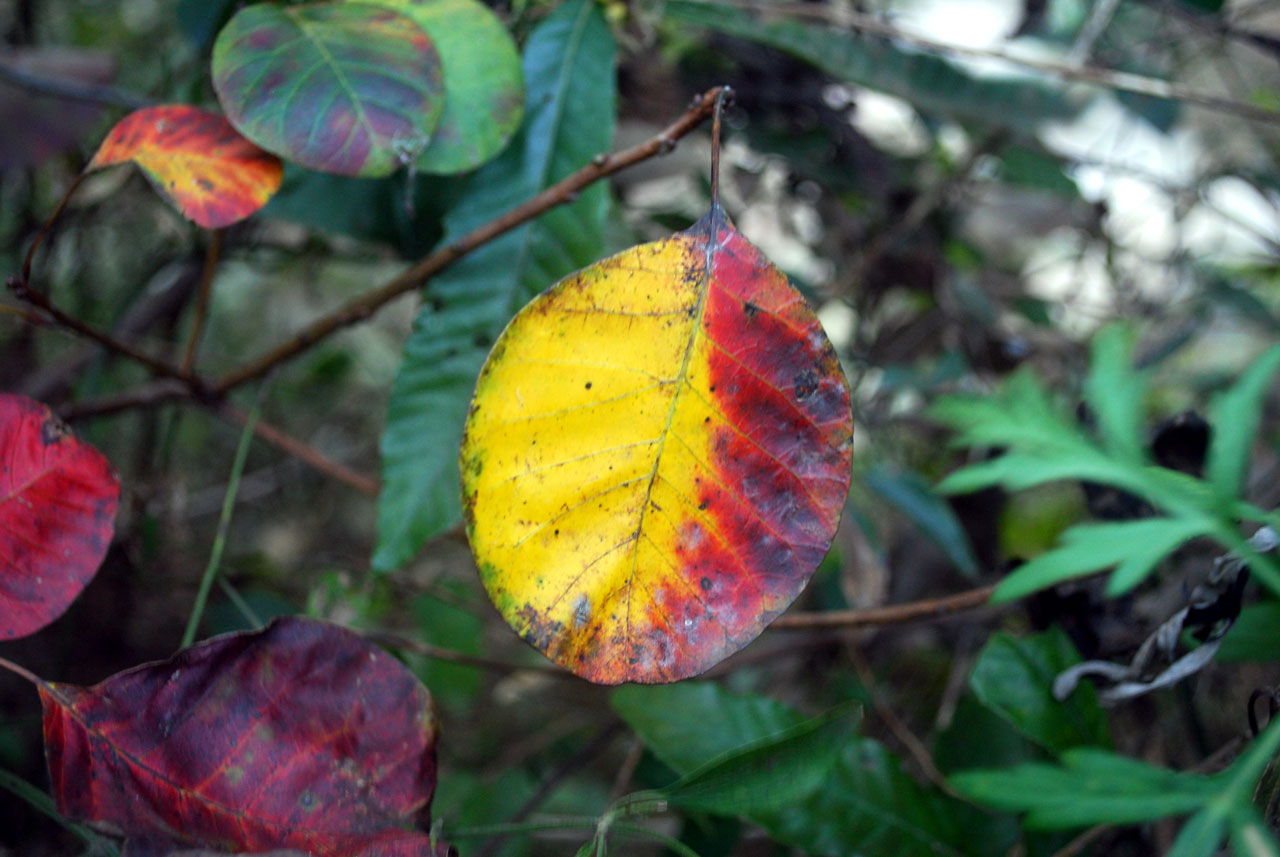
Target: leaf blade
{"x": 656, "y": 458}
{"x": 345, "y": 88}
{"x": 191, "y": 750}
{"x": 58, "y": 499}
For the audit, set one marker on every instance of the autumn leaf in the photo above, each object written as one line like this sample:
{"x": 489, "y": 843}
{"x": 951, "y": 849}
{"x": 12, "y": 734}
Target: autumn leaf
{"x": 58, "y": 499}
{"x": 299, "y": 736}
{"x": 196, "y": 160}
{"x": 656, "y": 458}
{"x": 347, "y": 88}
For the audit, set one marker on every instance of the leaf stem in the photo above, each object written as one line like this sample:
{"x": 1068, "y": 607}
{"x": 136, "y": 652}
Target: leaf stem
{"x": 202, "y": 299}
{"x": 224, "y": 523}
{"x": 48, "y": 224}
{"x": 20, "y": 671}
{"x": 722, "y": 97}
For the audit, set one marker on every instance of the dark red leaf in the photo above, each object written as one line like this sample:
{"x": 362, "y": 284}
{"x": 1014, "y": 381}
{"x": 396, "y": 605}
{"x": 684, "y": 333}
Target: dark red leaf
{"x": 300, "y": 736}
{"x": 58, "y": 499}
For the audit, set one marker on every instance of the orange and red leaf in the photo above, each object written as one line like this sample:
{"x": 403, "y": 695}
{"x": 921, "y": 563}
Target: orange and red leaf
{"x": 196, "y": 160}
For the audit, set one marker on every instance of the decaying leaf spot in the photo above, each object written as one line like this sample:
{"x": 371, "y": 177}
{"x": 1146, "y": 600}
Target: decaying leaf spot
{"x": 58, "y": 500}
{"x": 673, "y": 467}
{"x": 196, "y": 160}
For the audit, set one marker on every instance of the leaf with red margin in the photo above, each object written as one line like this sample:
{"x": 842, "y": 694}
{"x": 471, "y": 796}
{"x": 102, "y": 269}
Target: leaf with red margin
{"x": 300, "y": 736}
{"x": 347, "y": 88}
{"x": 656, "y": 458}
{"x": 58, "y": 499}
{"x": 196, "y": 160}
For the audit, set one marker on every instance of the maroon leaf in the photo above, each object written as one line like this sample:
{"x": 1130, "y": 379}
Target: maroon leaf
{"x": 58, "y": 499}
{"x": 300, "y": 736}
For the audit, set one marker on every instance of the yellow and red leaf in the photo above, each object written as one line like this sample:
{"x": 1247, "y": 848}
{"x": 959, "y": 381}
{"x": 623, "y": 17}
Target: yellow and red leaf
{"x": 656, "y": 458}
{"x": 196, "y": 160}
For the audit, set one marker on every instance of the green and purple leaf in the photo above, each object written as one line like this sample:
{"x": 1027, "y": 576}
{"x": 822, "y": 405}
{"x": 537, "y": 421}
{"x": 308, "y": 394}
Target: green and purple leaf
{"x": 347, "y": 88}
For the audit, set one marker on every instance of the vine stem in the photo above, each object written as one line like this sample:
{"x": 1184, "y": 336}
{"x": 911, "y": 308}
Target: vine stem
{"x": 224, "y": 523}
{"x": 564, "y": 191}
{"x": 20, "y": 671}
{"x": 890, "y": 614}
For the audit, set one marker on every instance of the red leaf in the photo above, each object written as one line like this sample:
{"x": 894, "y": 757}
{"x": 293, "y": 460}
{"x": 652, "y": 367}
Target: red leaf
{"x": 58, "y": 499}
{"x": 302, "y": 735}
{"x": 196, "y": 160}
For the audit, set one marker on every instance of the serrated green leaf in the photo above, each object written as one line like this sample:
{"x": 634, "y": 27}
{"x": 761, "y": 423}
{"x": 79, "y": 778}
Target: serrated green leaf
{"x": 1200, "y": 836}
{"x": 1135, "y": 546}
{"x": 867, "y": 807}
{"x": 1114, "y": 392}
{"x": 1090, "y": 787}
{"x": 1254, "y": 637}
{"x": 569, "y": 74}
{"x": 1250, "y": 837}
{"x": 931, "y": 82}
{"x": 1014, "y": 678}
{"x": 769, "y": 774}
{"x": 1235, "y": 416}
{"x": 936, "y": 520}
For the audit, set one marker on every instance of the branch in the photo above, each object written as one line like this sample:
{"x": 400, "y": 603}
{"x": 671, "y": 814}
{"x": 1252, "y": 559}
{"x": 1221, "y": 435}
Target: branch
{"x": 307, "y": 454}
{"x": 23, "y": 291}
{"x": 1123, "y": 81}
{"x": 71, "y": 90}
{"x": 564, "y": 191}
{"x": 891, "y": 614}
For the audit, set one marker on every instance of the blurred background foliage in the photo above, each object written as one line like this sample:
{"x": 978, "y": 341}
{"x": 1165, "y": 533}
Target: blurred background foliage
{"x": 953, "y": 215}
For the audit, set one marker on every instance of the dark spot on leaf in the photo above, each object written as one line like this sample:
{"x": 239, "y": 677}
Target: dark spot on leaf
{"x": 588, "y": 385}
{"x": 705, "y": 584}
{"x": 750, "y": 309}
{"x": 806, "y": 383}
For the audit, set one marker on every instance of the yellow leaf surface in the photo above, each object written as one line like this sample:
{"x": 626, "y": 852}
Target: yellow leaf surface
{"x": 656, "y": 458}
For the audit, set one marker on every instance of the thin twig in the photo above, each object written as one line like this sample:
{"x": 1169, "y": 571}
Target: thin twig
{"x": 396, "y": 641}
{"x": 146, "y": 395}
{"x": 363, "y": 483}
{"x": 44, "y": 230}
{"x": 890, "y": 614}
{"x": 564, "y": 191}
{"x": 1111, "y": 79}
{"x": 723, "y": 98}
{"x": 43, "y": 803}
{"x": 202, "y": 299}
{"x": 23, "y": 290}
{"x": 71, "y": 90}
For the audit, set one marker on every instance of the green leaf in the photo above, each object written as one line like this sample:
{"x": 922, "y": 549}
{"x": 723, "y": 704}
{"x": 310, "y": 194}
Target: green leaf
{"x": 1235, "y": 416}
{"x": 344, "y": 88}
{"x": 1014, "y": 678}
{"x": 1114, "y": 392}
{"x": 867, "y": 807}
{"x": 1134, "y": 546}
{"x": 1090, "y": 787}
{"x": 483, "y": 83}
{"x": 1255, "y": 636}
{"x": 912, "y": 496}
{"x": 930, "y": 82}
{"x": 1200, "y": 836}
{"x": 569, "y": 71}
{"x": 1250, "y": 837}
{"x": 769, "y": 774}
